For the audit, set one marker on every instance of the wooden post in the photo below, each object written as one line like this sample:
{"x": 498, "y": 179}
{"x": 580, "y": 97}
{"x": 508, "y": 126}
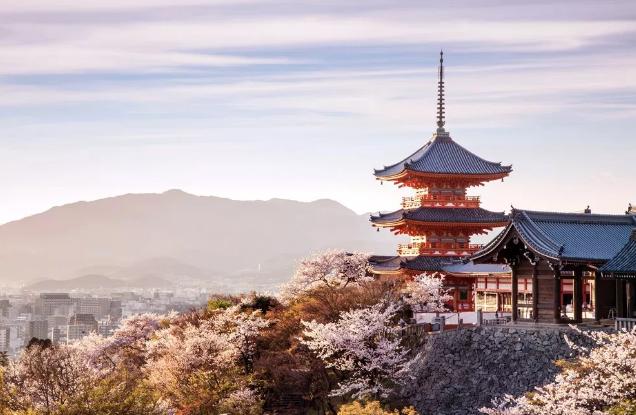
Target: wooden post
{"x": 597, "y": 292}
{"x": 535, "y": 292}
{"x": 577, "y": 301}
{"x": 557, "y": 294}
{"x": 515, "y": 292}
{"x": 620, "y": 298}
{"x": 629, "y": 300}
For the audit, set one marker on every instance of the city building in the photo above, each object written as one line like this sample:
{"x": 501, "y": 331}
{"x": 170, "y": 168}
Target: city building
{"x": 38, "y": 329}
{"x": 54, "y": 335}
{"x": 79, "y": 326}
{"x": 53, "y": 303}
{"x": 5, "y": 339}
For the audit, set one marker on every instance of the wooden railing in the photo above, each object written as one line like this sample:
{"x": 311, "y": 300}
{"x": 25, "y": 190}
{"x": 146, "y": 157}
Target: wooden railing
{"x": 627, "y": 324}
{"x": 447, "y": 249}
{"x": 413, "y": 202}
{"x": 496, "y": 321}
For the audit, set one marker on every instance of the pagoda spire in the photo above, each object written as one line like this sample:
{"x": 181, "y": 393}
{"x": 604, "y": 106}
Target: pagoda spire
{"x": 440, "y": 95}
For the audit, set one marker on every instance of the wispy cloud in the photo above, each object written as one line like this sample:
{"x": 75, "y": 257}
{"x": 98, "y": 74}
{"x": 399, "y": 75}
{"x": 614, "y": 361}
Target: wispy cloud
{"x": 358, "y": 77}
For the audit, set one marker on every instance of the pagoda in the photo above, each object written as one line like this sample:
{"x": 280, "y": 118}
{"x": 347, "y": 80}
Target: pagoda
{"x": 439, "y": 217}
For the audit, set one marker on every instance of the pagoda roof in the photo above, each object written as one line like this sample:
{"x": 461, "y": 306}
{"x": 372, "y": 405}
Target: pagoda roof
{"x": 443, "y": 156}
{"x": 578, "y": 237}
{"x": 440, "y": 215}
{"x": 623, "y": 264}
{"x": 428, "y": 263}
{"x": 425, "y": 263}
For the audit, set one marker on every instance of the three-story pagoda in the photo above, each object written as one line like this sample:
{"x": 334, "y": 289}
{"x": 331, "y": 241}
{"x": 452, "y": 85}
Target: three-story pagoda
{"x": 440, "y": 217}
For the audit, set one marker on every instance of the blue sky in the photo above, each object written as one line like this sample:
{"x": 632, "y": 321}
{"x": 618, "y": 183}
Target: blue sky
{"x": 302, "y": 99}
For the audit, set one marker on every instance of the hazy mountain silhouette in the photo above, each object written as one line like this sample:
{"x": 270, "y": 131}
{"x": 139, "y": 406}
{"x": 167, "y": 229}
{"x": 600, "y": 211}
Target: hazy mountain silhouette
{"x": 95, "y": 282}
{"x": 181, "y": 238}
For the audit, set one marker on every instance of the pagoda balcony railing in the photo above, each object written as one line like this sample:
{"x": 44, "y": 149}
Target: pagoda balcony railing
{"x": 412, "y": 202}
{"x": 424, "y": 249}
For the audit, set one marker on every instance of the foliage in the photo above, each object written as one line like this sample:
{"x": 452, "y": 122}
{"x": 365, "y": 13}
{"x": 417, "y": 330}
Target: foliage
{"x": 372, "y": 408}
{"x": 603, "y": 381}
{"x": 364, "y": 346}
{"x": 219, "y": 303}
{"x": 332, "y": 269}
{"x": 426, "y": 293}
{"x": 337, "y": 333}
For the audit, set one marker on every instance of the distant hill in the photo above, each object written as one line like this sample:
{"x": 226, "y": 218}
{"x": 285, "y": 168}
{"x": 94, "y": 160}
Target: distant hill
{"x": 96, "y": 282}
{"x": 180, "y": 238}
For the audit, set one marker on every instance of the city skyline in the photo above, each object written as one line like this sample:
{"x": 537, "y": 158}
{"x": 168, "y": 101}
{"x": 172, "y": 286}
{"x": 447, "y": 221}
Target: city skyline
{"x": 266, "y": 99}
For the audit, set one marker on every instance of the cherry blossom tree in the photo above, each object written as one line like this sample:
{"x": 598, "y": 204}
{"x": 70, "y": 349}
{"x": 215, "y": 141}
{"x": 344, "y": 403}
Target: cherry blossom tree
{"x": 126, "y": 347}
{"x": 365, "y": 347}
{"x": 44, "y": 378}
{"x": 426, "y": 293}
{"x": 331, "y": 269}
{"x": 203, "y": 366}
{"x": 242, "y": 329}
{"x": 601, "y": 382}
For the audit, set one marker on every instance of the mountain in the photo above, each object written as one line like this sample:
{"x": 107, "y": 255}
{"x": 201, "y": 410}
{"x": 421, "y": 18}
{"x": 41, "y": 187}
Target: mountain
{"x": 181, "y": 238}
{"x": 96, "y": 282}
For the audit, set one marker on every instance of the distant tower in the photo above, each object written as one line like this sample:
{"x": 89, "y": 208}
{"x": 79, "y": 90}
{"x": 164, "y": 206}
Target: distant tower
{"x": 440, "y": 217}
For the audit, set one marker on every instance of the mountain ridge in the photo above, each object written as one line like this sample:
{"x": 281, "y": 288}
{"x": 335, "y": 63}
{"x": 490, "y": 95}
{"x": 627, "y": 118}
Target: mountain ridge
{"x": 207, "y": 238}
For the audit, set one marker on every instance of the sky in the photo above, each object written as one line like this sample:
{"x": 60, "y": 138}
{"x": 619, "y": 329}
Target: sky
{"x": 302, "y": 99}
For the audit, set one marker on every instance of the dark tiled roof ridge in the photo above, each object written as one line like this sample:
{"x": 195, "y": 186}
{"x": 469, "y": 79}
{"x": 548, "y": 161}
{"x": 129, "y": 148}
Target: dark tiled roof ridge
{"x": 448, "y": 138}
{"x": 446, "y": 157}
{"x": 575, "y": 217}
{"x": 404, "y": 160}
{"x": 624, "y": 261}
{"x": 542, "y": 240}
{"x": 434, "y": 214}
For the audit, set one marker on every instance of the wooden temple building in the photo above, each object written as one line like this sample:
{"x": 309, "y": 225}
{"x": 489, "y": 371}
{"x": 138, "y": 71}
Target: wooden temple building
{"x": 441, "y": 217}
{"x": 544, "y": 267}
{"x": 622, "y": 269}
{"x": 549, "y": 252}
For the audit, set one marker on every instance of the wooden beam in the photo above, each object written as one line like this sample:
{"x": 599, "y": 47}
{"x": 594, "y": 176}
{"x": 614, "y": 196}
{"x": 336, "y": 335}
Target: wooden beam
{"x": 557, "y": 294}
{"x": 577, "y": 300}
{"x": 620, "y": 298}
{"x": 515, "y": 292}
{"x": 597, "y": 296}
{"x": 535, "y": 291}
{"x": 630, "y": 299}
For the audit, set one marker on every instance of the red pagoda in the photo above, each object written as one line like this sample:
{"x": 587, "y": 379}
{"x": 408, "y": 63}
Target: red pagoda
{"x": 440, "y": 217}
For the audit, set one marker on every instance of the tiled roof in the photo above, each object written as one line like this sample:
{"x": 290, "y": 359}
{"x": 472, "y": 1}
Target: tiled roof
{"x": 434, "y": 214}
{"x": 568, "y": 236}
{"x": 385, "y": 263}
{"x": 472, "y": 268}
{"x": 442, "y": 155}
{"x": 428, "y": 263}
{"x": 624, "y": 263}
{"x": 450, "y": 264}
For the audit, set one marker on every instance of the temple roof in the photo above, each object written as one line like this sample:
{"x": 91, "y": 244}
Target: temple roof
{"x": 441, "y": 215}
{"x": 423, "y": 263}
{"x": 567, "y": 236}
{"x": 442, "y": 155}
{"x": 624, "y": 263}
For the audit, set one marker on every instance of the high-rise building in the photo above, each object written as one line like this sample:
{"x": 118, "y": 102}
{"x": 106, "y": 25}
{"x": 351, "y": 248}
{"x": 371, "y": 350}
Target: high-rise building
{"x": 5, "y": 339}
{"x": 79, "y": 326}
{"x": 53, "y": 303}
{"x": 5, "y": 305}
{"x": 54, "y": 335}
{"x": 38, "y": 329}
